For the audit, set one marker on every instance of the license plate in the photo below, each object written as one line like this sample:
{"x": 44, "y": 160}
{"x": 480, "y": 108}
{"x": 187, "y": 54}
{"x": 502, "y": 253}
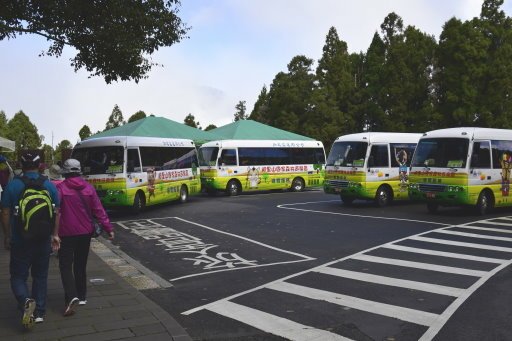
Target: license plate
{"x": 337, "y": 190}
{"x": 430, "y": 195}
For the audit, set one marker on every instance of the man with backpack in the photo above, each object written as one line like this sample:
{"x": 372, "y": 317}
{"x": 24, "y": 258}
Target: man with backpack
{"x": 30, "y": 220}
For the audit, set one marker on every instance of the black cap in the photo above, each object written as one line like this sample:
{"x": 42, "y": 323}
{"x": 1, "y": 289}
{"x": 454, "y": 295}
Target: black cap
{"x": 30, "y": 161}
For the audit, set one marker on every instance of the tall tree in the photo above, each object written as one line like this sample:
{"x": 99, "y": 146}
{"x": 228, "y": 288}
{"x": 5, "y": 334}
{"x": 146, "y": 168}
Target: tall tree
{"x": 137, "y": 116}
{"x": 3, "y": 123}
{"x": 190, "y": 120}
{"x": 101, "y": 32}
{"x": 260, "y": 109}
{"x": 84, "y": 132}
{"x": 241, "y": 109}
{"x": 210, "y": 127}
{"x": 22, "y": 131}
{"x": 62, "y": 147}
{"x": 115, "y": 119}
{"x": 48, "y": 153}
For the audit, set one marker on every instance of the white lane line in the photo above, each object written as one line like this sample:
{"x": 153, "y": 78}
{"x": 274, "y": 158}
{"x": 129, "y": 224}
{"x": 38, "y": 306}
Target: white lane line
{"x": 475, "y": 235}
{"x": 422, "y": 266}
{"x": 483, "y": 229}
{"x": 454, "y": 243}
{"x": 395, "y": 282}
{"x": 405, "y": 314}
{"x": 492, "y": 223}
{"x": 452, "y": 308}
{"x": 284, "y": 206}
{"x": 444, "y": 254}
{"x": 273, "y": 324}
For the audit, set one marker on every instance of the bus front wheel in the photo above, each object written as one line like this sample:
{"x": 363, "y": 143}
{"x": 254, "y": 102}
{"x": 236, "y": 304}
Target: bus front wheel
{"x": 233, "y": 188}
{"x": 484, "y": 204}
{"x": 139, "y": 202}
{"x": 183, "y": 194}
{"x": 383, "y": 196}
{"x": 297, "y": 185}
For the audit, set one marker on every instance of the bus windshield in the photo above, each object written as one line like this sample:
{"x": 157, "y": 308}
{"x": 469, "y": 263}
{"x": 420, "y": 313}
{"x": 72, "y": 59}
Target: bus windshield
{"x": 208, "y": 156}
{"x": 347, "y": 154}
{"x": 441, "y": 152}
{"x": 100, "y": 160}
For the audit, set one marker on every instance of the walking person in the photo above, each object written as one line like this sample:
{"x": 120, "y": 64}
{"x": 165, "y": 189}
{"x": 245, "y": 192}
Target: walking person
{"x": 79, "y": 204}
{"x": 29, "y": 235}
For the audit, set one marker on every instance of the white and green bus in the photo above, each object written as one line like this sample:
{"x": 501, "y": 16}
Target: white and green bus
{"x": 139, "y": 171}
{"x": 463, "y": 167}
{"x": 370, "y": 166}
{"x": 234, "y": 166}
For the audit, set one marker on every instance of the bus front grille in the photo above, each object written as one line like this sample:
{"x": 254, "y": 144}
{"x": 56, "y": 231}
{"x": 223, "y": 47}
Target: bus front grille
{"x": 337, "y": 183}
{"x": 431, "y": 188}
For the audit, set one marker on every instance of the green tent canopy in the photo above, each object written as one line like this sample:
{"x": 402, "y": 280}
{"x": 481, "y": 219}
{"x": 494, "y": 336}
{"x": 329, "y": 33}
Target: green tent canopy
{"x": 159, "y": 127}
{"x": 252, "y": 130}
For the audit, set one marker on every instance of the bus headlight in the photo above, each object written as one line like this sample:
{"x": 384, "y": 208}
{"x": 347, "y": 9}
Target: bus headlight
{"x": 413, "y": 186}
{"x": 115, "y": 192}
{"x": 455, "y": 189}
{"x": 354, "y": 184}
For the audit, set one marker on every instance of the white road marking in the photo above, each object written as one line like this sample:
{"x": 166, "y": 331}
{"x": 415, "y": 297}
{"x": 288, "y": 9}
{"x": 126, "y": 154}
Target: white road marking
{"x": 285, "y": 206}
{"x": 422, "y": 266}
{"x": 395, "y": 282}
{"x": 454, "y": 243}
{"x": 443, "y": 254}
{"x": 483, "y": 229}
{"x": 273, "y": 324}
{"x": 475, "y": 235}
{"x": 492, "y": 222}
{"x": 405, "y": 314}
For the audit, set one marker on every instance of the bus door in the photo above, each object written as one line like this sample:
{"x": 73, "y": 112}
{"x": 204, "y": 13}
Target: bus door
{"x": 378, "y": 166}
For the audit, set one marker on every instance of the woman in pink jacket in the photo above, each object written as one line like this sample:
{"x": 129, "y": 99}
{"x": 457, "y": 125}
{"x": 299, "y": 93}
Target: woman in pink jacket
{"x": 79, "y": 203}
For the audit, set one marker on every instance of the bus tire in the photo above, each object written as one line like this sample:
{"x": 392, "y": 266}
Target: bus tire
{"x": 298, "y": 185}
{"x": 432, "y": 207}
{"x": 233, "y": 187}
{"x": 139, "y": 202}
{"x": 484, "y": 203}
{"x": 183, "y": 194}
{"x": 383, "y": 197}
{"x": 347, "y": 201}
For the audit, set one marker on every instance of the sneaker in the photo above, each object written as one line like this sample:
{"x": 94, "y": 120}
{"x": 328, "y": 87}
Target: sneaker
{"x": 82, "y": 302}
{"x": 39, "y": 319}
{"x": 70, "y": 307}
{"x": 28, "y": 313}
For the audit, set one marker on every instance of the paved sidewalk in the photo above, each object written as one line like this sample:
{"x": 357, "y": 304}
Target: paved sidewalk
{"x": 115, "y": 310}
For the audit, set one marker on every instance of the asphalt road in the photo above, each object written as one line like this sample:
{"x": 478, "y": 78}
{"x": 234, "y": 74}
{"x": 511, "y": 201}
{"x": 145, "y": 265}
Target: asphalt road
{"x": 272, "y": 266}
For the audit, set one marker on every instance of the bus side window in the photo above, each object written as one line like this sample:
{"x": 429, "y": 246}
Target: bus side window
{"x": 481, "y": 157}
{"x": 133, "y": 161}
{"x": 379, "y": 156}
{"x": 228, "y": 157}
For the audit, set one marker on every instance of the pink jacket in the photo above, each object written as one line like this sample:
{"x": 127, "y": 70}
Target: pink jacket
{"x": 75, "y": 218}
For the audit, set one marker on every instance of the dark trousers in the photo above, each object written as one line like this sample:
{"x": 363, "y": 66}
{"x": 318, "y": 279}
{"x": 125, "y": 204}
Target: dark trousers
{"x": 73, "y": 254}
{"x": 30, "y": 256}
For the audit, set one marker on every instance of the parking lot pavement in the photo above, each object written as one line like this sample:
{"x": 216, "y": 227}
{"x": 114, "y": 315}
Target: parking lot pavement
{"x": 115, "y": 310}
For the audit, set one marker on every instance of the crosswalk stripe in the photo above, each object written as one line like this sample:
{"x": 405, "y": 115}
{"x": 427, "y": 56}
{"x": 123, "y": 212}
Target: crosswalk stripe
{"x": 492, "y": 223}
{"x": 483, "y": 228}
{"x": 443, "y": 254}
{"x": 271, "y": 323}
{"x": 418, "y": 265}
{"x": 501, "y": 218}
{"x": 455, "y": 243}
{"x": 474, "y": 235}
{"x": 402, "y": 283}
{"x": 405, "y": 314}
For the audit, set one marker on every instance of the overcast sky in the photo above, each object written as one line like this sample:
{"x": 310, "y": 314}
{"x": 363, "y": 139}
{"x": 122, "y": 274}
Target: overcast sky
{"x": 234, "y": 48}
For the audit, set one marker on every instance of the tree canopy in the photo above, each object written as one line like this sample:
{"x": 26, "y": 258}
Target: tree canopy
{"x": 137, "y": 116}
{"x": 113, "y": 39}
{"x": 115, "y": 119}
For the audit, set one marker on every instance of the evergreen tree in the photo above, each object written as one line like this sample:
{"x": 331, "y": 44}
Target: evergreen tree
{"x": 137, "y": 116}
{"x": 240, "y": 111}
{"x": 62, "y": 147}
{"x": 23, "y": 133}
{"x": 115, "y": 119}
{"x": 260, "y": 111}
{"x": 210, "y": 127}
{"x": 3, "y": 123}
{"x": 84, "y": 132}
{"x": 190, "y": 120}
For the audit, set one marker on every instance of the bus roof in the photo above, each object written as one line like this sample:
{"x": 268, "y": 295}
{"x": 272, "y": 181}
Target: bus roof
{"x": 472, "y": 132}
{"x": 134, "y": 141}
{"x": 264, "y": 143}
{"x": 376, "y": 137}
